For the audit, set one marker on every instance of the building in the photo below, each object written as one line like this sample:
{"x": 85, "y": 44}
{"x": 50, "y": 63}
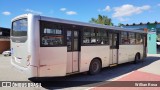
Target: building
{"x": 4, "y": 39}
{"x": 153, "y": 36}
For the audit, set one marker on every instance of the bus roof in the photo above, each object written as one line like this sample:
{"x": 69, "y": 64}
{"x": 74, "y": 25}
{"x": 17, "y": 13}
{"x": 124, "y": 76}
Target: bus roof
{"x": 44, "y": 18}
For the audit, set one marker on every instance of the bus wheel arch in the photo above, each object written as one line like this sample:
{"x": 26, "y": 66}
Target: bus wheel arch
{"x": 95, "y": 66}
{"x": 137, "y": 57}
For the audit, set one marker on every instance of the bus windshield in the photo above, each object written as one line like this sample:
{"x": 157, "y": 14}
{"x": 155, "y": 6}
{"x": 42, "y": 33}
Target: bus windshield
{"x": 19, "y": 27}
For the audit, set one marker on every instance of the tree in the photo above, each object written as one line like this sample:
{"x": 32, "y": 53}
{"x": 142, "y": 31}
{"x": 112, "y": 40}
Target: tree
{"x": 120, "y": 24}
{"x": 102, "y": 20}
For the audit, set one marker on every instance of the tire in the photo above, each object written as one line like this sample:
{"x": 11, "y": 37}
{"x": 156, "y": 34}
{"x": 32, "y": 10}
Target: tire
{"x": 95, "y": 67}
{"x": 137, "y": 58}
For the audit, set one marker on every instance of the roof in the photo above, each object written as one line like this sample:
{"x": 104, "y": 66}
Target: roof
{"x": 135, "y": 24}
{"x": 90, "y": 24}
{"x": 4, "y": 29}
{"x": 45, "y": 18}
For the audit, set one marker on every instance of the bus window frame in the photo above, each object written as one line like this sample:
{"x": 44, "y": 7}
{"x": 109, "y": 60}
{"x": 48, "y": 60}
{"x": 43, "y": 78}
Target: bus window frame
{"x": 142, "y": 35}
{"x": 19, "y": 39}
{"x": 42, "y": 27}
{"x": 127, "y": 38}
{"x": 95, "y": 30}
{"x": 134, "y": 38}
{"x": 141, "y": 38}
{"x": 11, "y": 33}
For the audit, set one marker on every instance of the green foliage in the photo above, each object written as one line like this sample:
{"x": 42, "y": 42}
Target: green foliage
{"x": 102, "y": 20}
{"x": 120, "y": 24}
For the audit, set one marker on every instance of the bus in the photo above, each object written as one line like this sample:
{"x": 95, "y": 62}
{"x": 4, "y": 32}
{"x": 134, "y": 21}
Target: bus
{"x": 50, "y": 47}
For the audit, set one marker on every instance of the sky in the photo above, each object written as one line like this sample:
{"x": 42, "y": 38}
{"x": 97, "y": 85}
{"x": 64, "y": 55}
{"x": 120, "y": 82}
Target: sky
{"x": 120, "y": 11}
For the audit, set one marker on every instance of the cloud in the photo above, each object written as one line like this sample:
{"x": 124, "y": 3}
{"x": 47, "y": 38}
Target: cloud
{"x": 107, "y": 8}
{"x": 63, "y": 9}
{"x": 33, "y": 11}
{"x": 129, "y": 10}
{"x": 6, "y": 13}
{"x": 123, "y": 19}
{"x": 71, "y": 13}
{"x": 68, "y": 12}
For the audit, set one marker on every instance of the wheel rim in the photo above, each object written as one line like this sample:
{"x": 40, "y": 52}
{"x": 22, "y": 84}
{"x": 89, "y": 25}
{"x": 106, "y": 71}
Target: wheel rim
{"x": 95, "y": 66}
{"x": 137, "y": 57}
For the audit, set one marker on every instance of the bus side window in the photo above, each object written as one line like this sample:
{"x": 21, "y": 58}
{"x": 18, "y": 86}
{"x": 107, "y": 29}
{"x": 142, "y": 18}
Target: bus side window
{"x": 139, "y": 39}
{"x": 102, "y": 37}
{"x": 69, "y": 40}
{"x": 124, "y": 38}
{"x": 110, "y": 40}
{"x": 51, "y": 34}
{"x": 132, "y": 39}
{"x": 89, "y": 36}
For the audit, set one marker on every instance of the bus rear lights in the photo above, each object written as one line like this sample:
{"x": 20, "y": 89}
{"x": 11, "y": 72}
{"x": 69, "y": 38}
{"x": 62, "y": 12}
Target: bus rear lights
{"x": 18, "y": 60}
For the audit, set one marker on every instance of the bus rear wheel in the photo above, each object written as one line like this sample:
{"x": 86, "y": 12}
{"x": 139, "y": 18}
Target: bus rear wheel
{"x": 95, "y": 67}
{"x": 137, "y": 58}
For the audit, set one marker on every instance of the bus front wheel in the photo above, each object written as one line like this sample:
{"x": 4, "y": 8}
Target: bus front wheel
{"x": 95, "y": 66}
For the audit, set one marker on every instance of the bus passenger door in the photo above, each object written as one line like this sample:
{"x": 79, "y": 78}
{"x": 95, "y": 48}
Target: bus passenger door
{"x": 73, "y": 49}
{"x": 144, "y": 46}
{"x": 114, "y": 46}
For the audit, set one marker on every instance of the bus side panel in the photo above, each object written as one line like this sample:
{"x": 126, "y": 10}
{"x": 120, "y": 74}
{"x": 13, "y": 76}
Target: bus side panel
{"x": 53, "y": 61}
{"x": 33, "y": 43}
{"x": 90, "y": 52}
{"x": 127, "y": 52}
{"x": 30, "y": 71}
